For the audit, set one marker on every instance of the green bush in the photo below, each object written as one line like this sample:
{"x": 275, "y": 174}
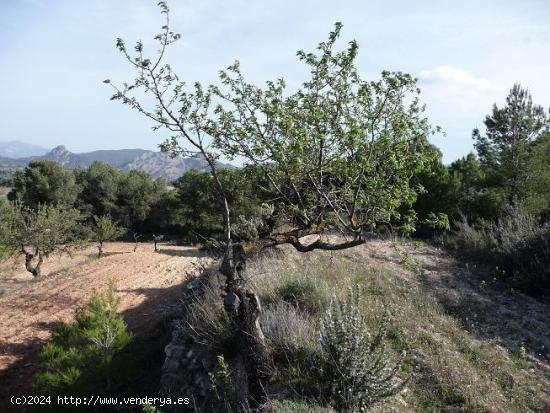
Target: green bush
{"x": 305, "y": 293}
{"x": 517, "y": 245}
{"x": 85, "y": 347}
{"x": 223, "y": 386}
{"x": 354, "y": 370}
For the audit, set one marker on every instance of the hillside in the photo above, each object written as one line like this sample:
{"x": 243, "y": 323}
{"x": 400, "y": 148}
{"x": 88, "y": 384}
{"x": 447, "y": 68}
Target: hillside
{"x": 116, "y": 158}
{"x": 471, "y": 345}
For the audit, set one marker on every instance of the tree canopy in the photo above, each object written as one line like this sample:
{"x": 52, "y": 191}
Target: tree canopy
{"x": 338, "y": 152}
{"x": 341, "y": 151}
{"x": 507, "y": 146}
{"x": 44, "y": 182}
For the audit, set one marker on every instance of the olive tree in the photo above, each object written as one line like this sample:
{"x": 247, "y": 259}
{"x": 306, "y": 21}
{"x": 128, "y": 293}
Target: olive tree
{"x": 38, "y": 233}
{"x": 338, "y": 153}
{"x": 105, "y": 229}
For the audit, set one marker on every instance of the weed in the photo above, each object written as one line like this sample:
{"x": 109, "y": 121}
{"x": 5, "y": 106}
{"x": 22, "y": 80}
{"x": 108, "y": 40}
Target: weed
{"x": 305, "y": 293}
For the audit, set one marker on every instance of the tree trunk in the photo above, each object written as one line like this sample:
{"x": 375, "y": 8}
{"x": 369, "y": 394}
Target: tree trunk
{"x": 35, "y": 270}
{"x": 136, "y": 238}
{"x": 252, "y": 366}
{"x": 241, "y": 384}
{"x": 244, "y": 310}
{"x": 257, "y": 365}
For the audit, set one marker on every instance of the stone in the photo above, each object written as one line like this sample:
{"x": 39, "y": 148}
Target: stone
{"x": 231, "y": 302}
{"x": 174, "y": 350}
{"x": 171, "y": 365}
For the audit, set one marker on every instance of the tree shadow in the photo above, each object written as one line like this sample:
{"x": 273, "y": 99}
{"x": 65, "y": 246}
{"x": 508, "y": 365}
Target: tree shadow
{"x": 17, "y": 378}
{"x": 192, "y": 253}
{"x": 112, "y": 253}
{"x": 489, "y": 310}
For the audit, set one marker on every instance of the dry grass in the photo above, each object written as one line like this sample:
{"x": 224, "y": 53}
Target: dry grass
{"x": 455, "y": 367}
{"x": 286, "y": 329}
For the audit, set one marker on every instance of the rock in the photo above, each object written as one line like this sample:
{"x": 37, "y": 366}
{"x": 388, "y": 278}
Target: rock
{"x": 231, "y": 302}
{"x": 174, "y": 350}
{"x": 170, "y": 365}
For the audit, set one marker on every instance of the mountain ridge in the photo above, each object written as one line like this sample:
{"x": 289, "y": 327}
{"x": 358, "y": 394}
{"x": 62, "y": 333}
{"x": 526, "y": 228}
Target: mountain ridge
{"x": 157, "y": 164}
{"x": 15, "y": 149}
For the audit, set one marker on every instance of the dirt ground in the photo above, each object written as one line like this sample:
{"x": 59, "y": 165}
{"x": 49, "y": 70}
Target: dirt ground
{"x": 147, "y": 283}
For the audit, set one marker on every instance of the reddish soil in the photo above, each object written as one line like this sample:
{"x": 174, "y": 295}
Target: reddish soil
{"x": 147, "y": 283}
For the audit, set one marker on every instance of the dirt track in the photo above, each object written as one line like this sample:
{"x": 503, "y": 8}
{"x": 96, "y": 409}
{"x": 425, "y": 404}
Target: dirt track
{"x": 146, "y": 281}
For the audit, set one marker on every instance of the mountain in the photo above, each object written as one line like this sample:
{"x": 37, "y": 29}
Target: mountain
{"x": 117, "y": 158}
{"x": 17, "y": 149}
{"x": 157, "y": 164}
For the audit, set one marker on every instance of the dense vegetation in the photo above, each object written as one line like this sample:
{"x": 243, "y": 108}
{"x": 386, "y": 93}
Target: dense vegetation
{"x": 498, "y": 199}
{"x": 506, "y": 172}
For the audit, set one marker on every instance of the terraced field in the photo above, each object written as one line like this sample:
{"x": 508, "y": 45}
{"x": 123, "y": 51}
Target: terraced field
{"x": 147, "y": 283}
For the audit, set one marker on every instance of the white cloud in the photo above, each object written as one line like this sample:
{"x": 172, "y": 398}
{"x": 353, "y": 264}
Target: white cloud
{"x": 455, "y": 89}
{"x": 456, "y": 77}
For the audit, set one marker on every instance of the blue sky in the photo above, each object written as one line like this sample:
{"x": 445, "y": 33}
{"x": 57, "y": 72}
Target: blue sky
{"x": 55, "y": 53}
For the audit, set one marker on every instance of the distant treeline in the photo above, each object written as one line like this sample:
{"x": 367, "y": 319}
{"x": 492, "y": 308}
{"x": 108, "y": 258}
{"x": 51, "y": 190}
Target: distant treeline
{"x": 187, "y": 207}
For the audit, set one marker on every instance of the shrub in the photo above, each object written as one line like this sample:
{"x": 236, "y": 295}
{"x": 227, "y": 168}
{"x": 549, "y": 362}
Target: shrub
{"x": 287, "y": 331}
{"x": 83, "y": 347}
{"x": 206, "y": 320}
{"x": 355, "y": 371}
{"x": 437, "y": 222}
{"x": 530, "y": 265}
{"x": 305, "y": 293}
{"x": 517, "y": 244}
{"x": 494, "y": 239}
{"x": 223, "y": 386}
